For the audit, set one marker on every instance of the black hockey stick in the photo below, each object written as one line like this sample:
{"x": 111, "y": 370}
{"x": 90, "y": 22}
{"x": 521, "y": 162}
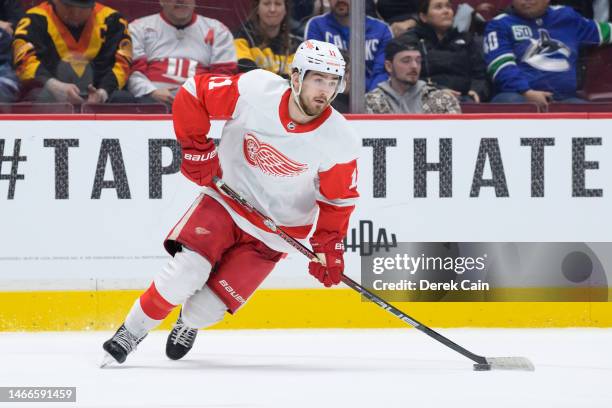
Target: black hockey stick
{"x": 481, "y": 363}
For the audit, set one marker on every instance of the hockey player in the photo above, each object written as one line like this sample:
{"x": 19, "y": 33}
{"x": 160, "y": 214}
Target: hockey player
{"x": 290, "y": 154}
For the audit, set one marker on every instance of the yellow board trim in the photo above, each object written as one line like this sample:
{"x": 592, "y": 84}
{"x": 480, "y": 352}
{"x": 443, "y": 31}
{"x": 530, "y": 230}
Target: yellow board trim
{"x": 293, "y": 308}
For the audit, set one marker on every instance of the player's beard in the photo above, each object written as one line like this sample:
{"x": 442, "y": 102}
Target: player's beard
{"x": 311, "y": 110}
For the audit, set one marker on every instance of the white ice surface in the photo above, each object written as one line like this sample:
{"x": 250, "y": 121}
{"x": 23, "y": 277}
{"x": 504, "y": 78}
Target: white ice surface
{"x": 319, "y": 368}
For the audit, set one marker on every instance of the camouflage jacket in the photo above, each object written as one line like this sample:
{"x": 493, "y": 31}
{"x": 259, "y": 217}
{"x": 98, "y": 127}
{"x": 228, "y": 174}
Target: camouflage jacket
{"x": 422, "y": 98}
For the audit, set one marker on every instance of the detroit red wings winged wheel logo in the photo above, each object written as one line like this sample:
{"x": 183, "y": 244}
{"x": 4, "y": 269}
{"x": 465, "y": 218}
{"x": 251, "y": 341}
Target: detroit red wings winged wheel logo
{"x": 269, "y": 160}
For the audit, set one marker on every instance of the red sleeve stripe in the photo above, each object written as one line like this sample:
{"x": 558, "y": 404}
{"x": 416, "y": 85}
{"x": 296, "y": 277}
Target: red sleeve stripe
{"x": 339, "y": 182}
{"x": 140, "y": 65}
{"x": 333, "y": 218}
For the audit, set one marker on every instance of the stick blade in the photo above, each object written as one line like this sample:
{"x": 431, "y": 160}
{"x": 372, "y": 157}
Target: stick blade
{"x": 506, "y": 363}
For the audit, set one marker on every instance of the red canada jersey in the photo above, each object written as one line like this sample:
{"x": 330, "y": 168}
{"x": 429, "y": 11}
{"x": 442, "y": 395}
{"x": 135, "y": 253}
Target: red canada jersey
{"x": 291, "y": 172}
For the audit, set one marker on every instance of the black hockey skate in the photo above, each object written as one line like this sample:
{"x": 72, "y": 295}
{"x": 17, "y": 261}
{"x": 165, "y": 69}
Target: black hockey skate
{"x": 119, "y": 346}
{"x": 180, "y": 340}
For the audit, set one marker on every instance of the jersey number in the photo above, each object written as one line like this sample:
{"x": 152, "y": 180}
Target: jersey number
{"x": 180, "y": 69}
{"x": 353, "y": 180}
{"x": 491, "y": 43}
{"x": 22, "y": 26}
{"x": 212, "y": 85}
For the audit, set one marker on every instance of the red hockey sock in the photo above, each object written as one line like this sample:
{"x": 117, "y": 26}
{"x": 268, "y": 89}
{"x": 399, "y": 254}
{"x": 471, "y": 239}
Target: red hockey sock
{"x": 154, "y": 305}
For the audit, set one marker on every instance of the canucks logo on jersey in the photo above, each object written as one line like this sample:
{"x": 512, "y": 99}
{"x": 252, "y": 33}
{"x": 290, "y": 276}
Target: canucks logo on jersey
{"x": 526, "y": 53}
{"x": 547, "y": 54}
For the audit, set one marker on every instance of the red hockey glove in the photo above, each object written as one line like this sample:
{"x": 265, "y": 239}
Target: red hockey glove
{"x": 330, "y": 248}
{"x": 201, "y": 163}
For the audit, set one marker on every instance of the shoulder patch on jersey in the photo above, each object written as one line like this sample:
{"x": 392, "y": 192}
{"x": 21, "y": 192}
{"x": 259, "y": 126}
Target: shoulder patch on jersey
{"x": 521, "y": 32}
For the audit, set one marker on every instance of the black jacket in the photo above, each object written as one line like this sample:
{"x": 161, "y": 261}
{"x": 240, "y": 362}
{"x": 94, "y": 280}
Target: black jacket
{"x": 455, "y": 62}
{"x": 10, "y": 10}
{"x": 5, "y": 48}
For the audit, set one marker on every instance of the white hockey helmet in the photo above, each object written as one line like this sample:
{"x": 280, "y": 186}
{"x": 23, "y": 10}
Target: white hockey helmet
{"x": 314, "y": 55}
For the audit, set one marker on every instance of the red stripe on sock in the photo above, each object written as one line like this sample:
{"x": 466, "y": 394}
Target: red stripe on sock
{"x": 154, "y": 305}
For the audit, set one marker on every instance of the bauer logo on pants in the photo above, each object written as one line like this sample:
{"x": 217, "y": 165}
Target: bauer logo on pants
{"x": 231, "y": 291}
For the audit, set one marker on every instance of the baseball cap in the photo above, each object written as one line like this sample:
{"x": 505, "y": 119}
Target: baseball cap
{"x": 399, "y": 44}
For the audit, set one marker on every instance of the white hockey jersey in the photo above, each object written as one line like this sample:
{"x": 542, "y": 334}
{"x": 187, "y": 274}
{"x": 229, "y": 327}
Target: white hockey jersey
{"x": 289, "y": 171}
{"x": 165, "y": 56}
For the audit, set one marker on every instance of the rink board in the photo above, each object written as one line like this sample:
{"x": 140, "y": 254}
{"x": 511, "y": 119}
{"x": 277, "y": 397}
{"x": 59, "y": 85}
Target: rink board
{"x": 82, "y": 231}
{"x": 294, "y": 308}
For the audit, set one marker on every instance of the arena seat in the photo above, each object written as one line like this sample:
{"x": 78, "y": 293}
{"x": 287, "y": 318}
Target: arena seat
{"x": 499, "y": 108}
{"x": 498, "y": 6}
{"x": 597, "y": 85}
{"x": 36, "y": 108}
{"x": 581, "y": 107}
{"x": 125, "y": 108}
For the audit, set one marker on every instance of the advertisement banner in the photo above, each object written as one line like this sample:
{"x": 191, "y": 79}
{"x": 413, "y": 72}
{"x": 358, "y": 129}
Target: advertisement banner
{"x": 86, "y": 204}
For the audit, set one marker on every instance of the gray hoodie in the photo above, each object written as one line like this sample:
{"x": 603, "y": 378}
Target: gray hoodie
{"x": 410, "y": 102}
{"x": 420, "y": 98}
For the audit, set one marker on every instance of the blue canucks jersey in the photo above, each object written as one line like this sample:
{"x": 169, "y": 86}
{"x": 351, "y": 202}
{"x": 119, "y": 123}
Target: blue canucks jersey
{"x": 377, "y": 36}
{"x": 541, "y": 53}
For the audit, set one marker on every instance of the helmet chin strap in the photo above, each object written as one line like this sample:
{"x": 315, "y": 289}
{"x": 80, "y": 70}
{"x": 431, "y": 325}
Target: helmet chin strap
{"x": 296, "y": 94}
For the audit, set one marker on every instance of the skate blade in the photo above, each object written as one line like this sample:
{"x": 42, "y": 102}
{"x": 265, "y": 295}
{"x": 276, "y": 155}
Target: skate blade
{"x": 107, "y": 360}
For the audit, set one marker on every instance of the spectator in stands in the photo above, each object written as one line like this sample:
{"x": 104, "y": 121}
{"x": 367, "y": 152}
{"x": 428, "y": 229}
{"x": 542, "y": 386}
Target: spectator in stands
{"x": 174, "y": 45}
{"x": 451, "y": 60}
{"x": 10, "y": 13}
{"x": 531, "y": 52}
{"x": 9, "y": 84}
{"x": 304, "y": 10}
{"x": 301, "y": 11}
{"x": 73, "y": 51}
{"x": 404, "y": 92}
{"x": 401, "y": 15}
{"x": 333, "y": 27}
{"x": 265, "y": 40}
{"x": 473, "y": 15}
{"x": 598, "y": 10}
